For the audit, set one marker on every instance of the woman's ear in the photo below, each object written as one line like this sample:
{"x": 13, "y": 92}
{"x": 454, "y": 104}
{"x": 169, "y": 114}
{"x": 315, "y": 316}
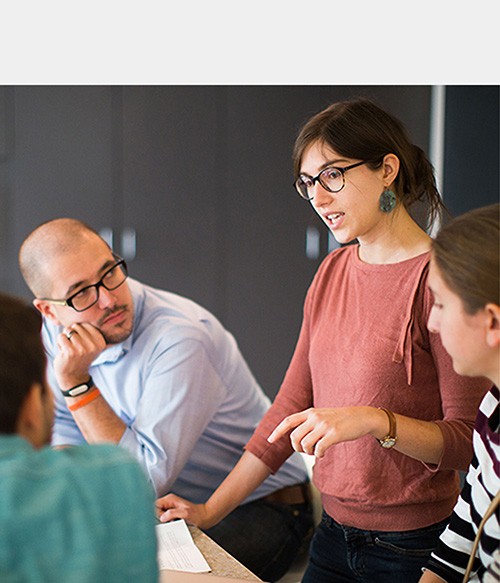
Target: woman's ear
{"x": 391, "y": 168}
{"x": 493, "y": 325}
{"x": 47, "y": 310}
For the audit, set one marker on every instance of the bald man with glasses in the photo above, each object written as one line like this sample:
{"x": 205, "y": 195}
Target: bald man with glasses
{"x": 158, "y": 375}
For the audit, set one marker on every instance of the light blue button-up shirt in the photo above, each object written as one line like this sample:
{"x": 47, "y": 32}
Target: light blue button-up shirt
{"x": 83, "y": 514}
{"x": 185, "y": 392}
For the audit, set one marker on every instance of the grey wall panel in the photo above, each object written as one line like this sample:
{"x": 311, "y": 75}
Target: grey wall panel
{"x": 203, "y": 176}
{"x": 472, "y": 142}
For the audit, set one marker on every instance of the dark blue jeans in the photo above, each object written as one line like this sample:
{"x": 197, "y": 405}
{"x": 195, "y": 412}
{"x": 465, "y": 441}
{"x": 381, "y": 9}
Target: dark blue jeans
{"x": 265, "y": 536}
{"x": 342, "y": 553}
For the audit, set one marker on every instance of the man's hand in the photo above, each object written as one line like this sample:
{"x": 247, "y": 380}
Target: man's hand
{"x": 171, "y": 507}
{"x": 79, "y": 345}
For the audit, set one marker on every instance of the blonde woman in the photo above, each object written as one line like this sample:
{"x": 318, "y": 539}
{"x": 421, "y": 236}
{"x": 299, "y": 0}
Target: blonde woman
{"x": 464, "y": 279}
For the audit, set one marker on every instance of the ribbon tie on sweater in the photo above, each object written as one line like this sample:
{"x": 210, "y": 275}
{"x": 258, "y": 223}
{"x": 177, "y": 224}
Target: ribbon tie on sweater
{"x": 404, "y": 347}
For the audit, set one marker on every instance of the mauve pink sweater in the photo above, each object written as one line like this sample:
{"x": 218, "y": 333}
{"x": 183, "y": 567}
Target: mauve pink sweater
{"x": 364, "y": 341}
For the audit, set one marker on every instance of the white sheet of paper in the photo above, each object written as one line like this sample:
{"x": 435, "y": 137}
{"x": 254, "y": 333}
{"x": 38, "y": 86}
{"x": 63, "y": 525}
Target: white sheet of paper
{"x": 176, "y": 548}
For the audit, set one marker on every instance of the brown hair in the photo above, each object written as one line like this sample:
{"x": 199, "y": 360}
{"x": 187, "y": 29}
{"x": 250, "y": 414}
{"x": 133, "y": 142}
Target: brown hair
{"x": 22, "y": 357}
{"x": 466, "y": 252}
{"x": 360, "y": 129}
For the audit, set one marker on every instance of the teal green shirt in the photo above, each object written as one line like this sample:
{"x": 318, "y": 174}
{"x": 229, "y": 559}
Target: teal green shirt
{"x": 82, "y": 514}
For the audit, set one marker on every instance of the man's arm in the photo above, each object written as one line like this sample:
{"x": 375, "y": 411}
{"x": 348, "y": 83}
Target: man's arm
{"x": 96, "y": 419}
{"x": 170, "y": 385}
{"x": 181, "y": 394}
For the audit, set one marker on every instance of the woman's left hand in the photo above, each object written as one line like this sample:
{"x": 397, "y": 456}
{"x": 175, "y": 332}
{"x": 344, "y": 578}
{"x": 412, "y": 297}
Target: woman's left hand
{"x": 313, "y": 431}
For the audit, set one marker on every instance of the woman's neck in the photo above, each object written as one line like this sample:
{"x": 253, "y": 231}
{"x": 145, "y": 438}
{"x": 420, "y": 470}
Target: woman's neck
{"x": 399, "y": 239}
{"x": 494, "y": 376}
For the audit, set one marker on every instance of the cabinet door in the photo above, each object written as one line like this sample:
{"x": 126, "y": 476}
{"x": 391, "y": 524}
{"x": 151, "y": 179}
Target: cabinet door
{"x": 265, "y": 222}
{"x": 171, "y": 188}
{"x": 61, "y": 162}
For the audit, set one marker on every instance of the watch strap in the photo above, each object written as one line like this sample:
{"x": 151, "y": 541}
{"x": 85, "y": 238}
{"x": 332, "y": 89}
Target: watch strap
{"x": 390, "y": 439}
{"x": 79, "y": 389}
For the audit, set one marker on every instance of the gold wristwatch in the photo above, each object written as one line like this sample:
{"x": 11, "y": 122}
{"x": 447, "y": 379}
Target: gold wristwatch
{"x": 390, "y": 439}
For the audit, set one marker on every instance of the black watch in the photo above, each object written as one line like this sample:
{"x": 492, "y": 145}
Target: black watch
{"x": 79, "y": 389}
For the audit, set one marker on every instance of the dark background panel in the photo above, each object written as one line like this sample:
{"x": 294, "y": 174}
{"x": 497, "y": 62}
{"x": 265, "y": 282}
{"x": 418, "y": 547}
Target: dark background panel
{"x": 171, "y": 195}
{"x": 61, "y": 163}
{"x": 200, "y": 177}
{"x": 471, "y": 153}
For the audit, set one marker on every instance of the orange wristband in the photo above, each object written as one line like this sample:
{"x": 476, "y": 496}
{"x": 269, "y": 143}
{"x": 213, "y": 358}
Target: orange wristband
{"x": 94, "y": 393}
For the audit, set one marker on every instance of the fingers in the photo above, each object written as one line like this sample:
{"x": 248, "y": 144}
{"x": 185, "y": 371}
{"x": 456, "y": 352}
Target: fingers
{"x": 287, "y": 425}
{"x": 321, "y": 445}
{"x": 81, "y": 339}
{"x": 165, "y": 502}
{"x": 83, "y": 332}
{"x": 304, "y": 438}
{"x": 311, "y": 432}
{"x": 173, "y": 514}
{"x": 72, "y": 336}
{"x": 171, "y": 507}
{"x": 79, "y": 344}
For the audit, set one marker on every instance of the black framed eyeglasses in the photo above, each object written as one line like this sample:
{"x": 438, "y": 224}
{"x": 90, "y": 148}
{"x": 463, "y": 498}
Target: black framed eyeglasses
{"x": 89, "y": 295}
{"x": 331, "y": 178}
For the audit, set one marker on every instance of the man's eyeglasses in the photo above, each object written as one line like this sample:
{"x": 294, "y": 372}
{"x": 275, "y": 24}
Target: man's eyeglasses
{"x": 88, "y": 296}
{"x": 330, "y": 178}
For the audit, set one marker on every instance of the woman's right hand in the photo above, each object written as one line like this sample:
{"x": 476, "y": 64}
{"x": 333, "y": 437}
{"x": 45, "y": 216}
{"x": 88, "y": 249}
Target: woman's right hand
{"x": 172, "y": 507}
{"x": 242, "y": 480}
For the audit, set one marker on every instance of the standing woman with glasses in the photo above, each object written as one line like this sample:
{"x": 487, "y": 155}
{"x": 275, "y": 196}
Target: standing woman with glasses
{"x": 368, "y": 391}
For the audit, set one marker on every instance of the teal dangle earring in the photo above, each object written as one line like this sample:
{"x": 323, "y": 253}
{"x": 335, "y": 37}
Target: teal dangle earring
{"x": 387, "y": 201}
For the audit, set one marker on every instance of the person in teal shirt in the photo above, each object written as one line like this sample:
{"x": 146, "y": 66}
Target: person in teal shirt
{"x": 62, "y": 512}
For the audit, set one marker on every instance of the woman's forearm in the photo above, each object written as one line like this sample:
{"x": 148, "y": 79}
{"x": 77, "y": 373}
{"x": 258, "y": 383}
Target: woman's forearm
{"x": 430, "y": 577}
{"x": 243, "y": 479}
{"x": 421, "y": 440}
{"x": 314, "y": 430}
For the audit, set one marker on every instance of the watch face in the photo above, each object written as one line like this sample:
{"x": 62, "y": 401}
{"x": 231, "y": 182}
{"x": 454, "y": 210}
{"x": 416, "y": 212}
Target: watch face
{"x": 78, "y": 390}
{"x": 388, "y": 442}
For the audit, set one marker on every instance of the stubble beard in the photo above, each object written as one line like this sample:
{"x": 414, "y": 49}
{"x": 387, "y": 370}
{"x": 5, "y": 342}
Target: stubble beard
{"x": 121, "y": 331}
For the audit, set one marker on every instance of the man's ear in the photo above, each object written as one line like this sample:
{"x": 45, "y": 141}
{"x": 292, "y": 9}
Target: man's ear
{"x": 47, "y": 310}
{"x": 30, "y": 422}
{"x": 493, "y": 325}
